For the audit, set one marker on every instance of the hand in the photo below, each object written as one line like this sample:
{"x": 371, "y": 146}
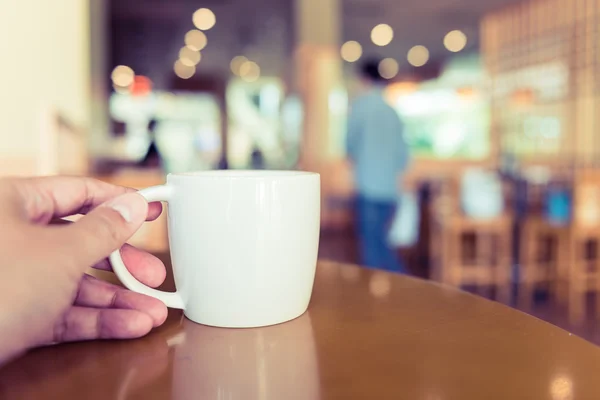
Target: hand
{"x": 45, "y": 294}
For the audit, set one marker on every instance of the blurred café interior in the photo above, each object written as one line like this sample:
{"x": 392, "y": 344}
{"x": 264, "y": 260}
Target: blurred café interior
{"x": 499, "y": 101}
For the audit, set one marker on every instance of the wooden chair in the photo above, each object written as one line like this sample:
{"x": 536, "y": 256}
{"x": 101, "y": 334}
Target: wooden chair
{"x": 584, "y": 249}
{"x": 543, "y": 247}
{"x": 442, "y": 207}
{"x": 543, "y": 258}
{"x": 472, "y": 252}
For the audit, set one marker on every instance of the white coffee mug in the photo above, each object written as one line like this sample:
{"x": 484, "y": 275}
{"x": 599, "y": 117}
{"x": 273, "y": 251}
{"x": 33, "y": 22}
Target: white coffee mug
{"x": 243, "y": 245}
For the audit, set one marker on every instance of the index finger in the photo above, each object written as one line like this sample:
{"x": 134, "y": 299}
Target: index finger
{"x": 56, "y": 197}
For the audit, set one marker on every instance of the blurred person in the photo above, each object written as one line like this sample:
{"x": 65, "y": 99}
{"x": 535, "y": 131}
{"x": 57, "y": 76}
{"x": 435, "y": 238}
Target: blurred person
{"x": 379, "y": 155}
{"x": 152, "y": 158}
{"x": 47, "y": 296}
{"x": 257, "y": 159}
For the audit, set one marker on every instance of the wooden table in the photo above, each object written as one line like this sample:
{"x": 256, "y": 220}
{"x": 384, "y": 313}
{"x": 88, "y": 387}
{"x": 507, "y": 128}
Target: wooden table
{"x": 367, "y": 335}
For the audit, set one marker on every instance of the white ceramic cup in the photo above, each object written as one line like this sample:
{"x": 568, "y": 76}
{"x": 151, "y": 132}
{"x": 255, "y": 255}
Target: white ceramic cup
{"x": 243, "y": 245}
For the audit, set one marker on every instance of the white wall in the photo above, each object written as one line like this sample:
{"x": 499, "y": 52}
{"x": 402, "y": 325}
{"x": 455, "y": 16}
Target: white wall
{"x": 44, "y": 64}
{"x": 99, "y": 137}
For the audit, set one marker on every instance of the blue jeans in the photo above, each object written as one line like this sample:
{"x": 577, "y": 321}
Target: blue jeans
{"x": 373, "y": 222}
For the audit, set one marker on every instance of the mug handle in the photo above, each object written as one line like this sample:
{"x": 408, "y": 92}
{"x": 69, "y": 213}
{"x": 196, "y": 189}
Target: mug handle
{"x": 171, "y": 299}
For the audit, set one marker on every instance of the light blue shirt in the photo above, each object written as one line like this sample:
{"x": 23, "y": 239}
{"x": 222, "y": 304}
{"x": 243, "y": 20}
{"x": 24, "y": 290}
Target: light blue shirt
{"x": 375, "y": 144}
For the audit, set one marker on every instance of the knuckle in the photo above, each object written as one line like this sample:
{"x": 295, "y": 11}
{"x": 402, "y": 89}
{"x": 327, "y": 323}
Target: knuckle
{"x": 60, "y": 330}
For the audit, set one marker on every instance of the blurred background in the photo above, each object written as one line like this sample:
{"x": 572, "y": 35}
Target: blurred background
{"x": 498, "y": 99}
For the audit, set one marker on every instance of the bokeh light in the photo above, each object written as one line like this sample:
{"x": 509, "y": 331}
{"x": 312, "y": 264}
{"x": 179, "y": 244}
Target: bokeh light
{"x": 189, "y": 57}
{"x": 396, "y": 91}
{"x": 204, "y": 19}
{"x": 388, "y": 68}
{"x": 350, "y": 273}
{"x": 380, "y": 285}
{"x": 561, "y": 388}
{"x": 455, "y": 41}
{"x": 351, "y": 51}
{"x": 418, "y": 56}
{"x": 141, "y": 86}
{"x": 250, "y": 71}
{"x": 122, "y": 76}
{"x": 184, "y": 71}
{"x": 196, "y": 40}
{"x": 236, "y": 64}
{"x": 382, "y": 35}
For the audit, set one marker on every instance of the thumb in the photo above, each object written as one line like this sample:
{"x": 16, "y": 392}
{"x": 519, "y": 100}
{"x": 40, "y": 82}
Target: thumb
{"x": 106, "y": 228}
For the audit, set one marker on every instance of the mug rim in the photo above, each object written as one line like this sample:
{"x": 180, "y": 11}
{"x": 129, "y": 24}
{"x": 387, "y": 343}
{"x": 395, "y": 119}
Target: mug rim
{"x": 242, "y": 174}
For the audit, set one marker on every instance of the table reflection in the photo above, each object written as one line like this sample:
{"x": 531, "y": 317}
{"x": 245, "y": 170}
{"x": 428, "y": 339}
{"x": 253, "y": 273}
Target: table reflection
{"x": 265, "y": 363}
{"x": 561, "y": 388}
{"x": 380, "y": 284}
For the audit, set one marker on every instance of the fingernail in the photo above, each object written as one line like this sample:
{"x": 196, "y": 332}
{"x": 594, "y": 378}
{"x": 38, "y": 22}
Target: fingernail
{"x": 124, "y": 211}
{"x": 125, "y": 205}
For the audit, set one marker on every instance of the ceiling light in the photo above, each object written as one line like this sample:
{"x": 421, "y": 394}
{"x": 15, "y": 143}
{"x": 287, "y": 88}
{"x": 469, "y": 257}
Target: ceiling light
{"x": 184, "y": 71}
{"x": 418, "y": 56}
{"x": 189, "y": 57}
{"x": 196, "y": 40}
{"x": 351, "y": 51}
{"x": 250, "y": 71}
{"x": 122, "y": 76}
{"x": 236, "y": 64}
{"x": 388, "y": 68}
{"x": 455, "y": 41}
{"x": 204, "y": 19}
{"x": 382, "y": 34}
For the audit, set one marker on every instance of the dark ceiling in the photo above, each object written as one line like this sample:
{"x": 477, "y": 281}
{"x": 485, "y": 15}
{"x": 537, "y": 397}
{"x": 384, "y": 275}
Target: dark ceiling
{"x": 147, "y": 34}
